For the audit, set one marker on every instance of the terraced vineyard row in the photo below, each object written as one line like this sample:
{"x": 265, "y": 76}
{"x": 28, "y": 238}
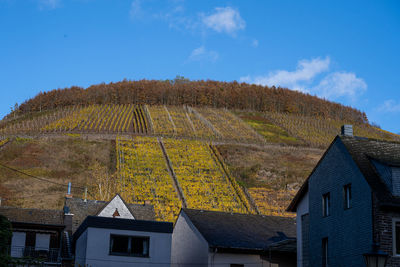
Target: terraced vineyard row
{"x": 203, "y": 182}
{"x": 35, "y": 124}
{"x": 319, "y": 132}
{"x": 144, "y": 176}
{"x": 203, "y": 123}
{"x": 102, "y": 118}
{"x": 228, "y": 126}
{"x": 168, "y": 121}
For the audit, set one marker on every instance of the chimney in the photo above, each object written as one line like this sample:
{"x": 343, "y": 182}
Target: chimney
{"x": 347, "y": 130}
{"x": 68, "y": 195}
{"x": 67, "y": 219}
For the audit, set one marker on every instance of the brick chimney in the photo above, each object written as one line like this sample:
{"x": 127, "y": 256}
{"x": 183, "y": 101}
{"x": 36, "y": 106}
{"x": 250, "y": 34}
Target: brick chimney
{"x": 347, "y": 130}
{"x": 67, "y": 219}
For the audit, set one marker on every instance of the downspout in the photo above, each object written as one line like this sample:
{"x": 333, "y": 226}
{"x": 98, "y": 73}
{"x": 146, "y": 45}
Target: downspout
{"x": 213, "y": 256}
{"x": 269, "y": 252}
{"x": 374, "y": 231}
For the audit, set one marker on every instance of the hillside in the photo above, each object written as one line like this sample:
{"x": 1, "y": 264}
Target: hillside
{"x": 181, "y": 91}
{"x": 173, "y": 156}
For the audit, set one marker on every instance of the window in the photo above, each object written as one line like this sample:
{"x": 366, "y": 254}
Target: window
{"x": 325, "y": 252}
{"x": 347, "y": 196}
{"x": 326, "y": 204}
{"x": 396, "y": 237}
{"x": 123, "y": 245}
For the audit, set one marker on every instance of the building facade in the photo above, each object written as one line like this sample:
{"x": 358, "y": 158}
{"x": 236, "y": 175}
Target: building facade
{"x": 345, "y": 206}
{"x": 210, "y": 238}
{"x": 104, "y": 241}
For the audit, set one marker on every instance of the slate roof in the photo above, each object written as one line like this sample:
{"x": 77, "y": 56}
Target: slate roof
{"x": 81, "y": 209}
{"x": 123, "y": 224}
{"x": 36, "y": 216}
{"x": 363, "y": 151}
{"x": 244, "y": 232}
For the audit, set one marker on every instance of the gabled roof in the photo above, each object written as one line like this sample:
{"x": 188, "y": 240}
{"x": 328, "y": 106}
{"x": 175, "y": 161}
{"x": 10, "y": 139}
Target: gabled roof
{"x": 81, "y": 209}
{"x": 363, "y": 151}
{"x": 241, "y": 232}
{"x": 33, "y": 216}
{"x": 123, "y": 224}
{"x": 116, "y": 207}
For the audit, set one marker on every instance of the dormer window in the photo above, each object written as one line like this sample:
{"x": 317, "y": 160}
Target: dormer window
{"x": 347, "y": 196}
{"x": 326, "y": 204}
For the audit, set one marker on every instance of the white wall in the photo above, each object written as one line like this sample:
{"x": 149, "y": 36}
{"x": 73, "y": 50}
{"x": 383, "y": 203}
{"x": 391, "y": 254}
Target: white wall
{"x": 302, "y": 208}
{"x": 98, "y": 246}
{"x": 80, "y": 250}
{"x": 226, "y": 259}
{"x": 188, "y": 245}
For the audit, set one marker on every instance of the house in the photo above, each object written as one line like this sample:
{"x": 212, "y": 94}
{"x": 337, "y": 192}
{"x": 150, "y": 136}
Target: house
{"x": 211, "y": 238}
{"x": 350, "y": 203}
{"x": 118, "y": 234}
{"x": 37, "y": 235}
{"x": 76, "y": 210}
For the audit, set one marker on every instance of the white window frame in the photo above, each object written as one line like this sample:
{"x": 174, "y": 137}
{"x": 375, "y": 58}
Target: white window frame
{"x": 347, "y": 197}
{"x": 325, "y": 252}
{"x": 130, "y": 253}
{"x": 326, "y": 204}
{"x": 394, "y": 221}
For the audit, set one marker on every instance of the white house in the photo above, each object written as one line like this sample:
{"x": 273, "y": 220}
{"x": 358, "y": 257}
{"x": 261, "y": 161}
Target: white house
{"x": 115, "y": 238}
{"x": 210, "y": 238}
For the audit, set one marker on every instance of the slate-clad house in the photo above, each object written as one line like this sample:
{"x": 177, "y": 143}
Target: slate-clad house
{"x": 350, "y": 201}
{"x": 38, "y": 235}
{"x": 118, "y": 236}
{"x": 211, "y": 238}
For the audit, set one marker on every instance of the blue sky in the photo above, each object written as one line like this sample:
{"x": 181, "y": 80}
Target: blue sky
{"x": 344, "y": 51}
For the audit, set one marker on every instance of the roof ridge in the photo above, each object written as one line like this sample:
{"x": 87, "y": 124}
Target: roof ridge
{"x": 13, "y": 207}
{"x": 237, "y": 213}
{"x": 369, "y": 139}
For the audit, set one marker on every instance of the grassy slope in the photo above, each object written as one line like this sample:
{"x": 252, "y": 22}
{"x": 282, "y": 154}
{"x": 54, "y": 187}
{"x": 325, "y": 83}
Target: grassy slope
{"x": 276, "y": 171}
{"x": 270, "y": 131}
{"x": 60, "y": 160}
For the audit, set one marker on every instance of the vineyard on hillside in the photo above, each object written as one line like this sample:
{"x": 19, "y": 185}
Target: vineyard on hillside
{"x": 143, "y": 176}
{"x": 320, "y": 132}
{"x": 168, "y": 121}
{"x": 306, "y": 131}
{"x": 201, "y": 178}
{"x": 84, "y": 119}
{"x": 171, "y": 173}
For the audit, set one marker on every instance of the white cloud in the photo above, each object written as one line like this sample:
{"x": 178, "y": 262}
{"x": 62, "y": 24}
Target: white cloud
{"x": 306, "y": 79}
{"x": 224, "y": 19}
{"x": 136, "y": 9}
{"x": 306, "y": 71}
{"x": 340, "y": 84}
{"x": 49, "y": 4}
{"x": 389, "y": 106}
{"x": 202, "y": 54}
{"x": 254, "y": 43}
